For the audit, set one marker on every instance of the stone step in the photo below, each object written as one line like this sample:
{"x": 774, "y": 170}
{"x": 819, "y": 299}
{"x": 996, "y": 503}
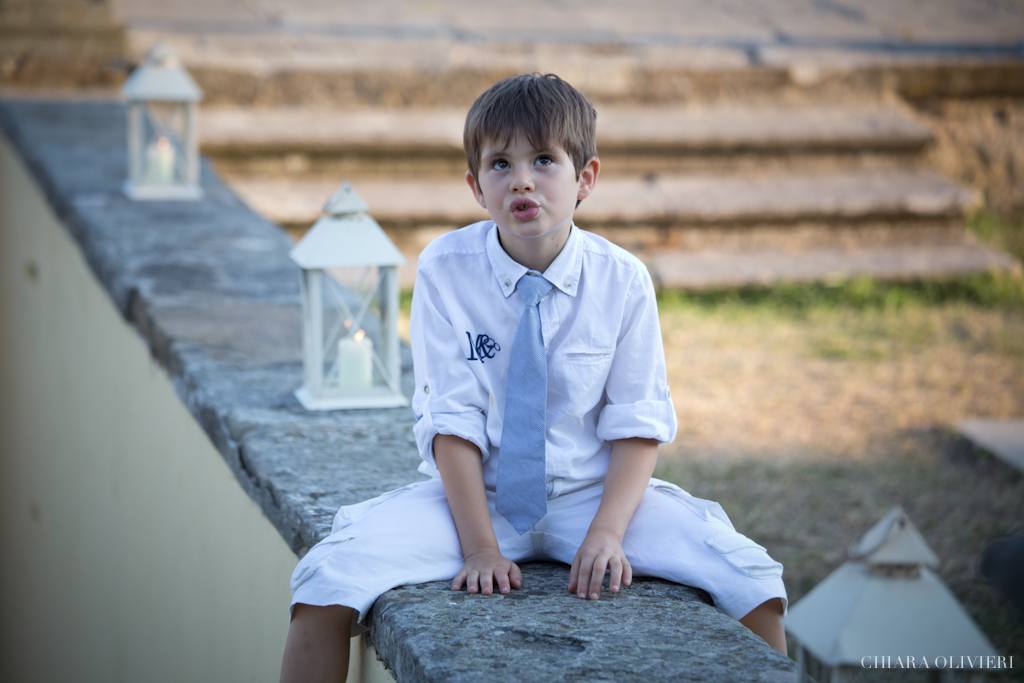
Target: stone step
{"x": 652, "y": 130}
{"x": 692, "y": 75}
{"x": 700, "y": 232}
{"x": 664, "y": 53}
{"x": 716, "y": 270}
{"x": 658, "y": 203}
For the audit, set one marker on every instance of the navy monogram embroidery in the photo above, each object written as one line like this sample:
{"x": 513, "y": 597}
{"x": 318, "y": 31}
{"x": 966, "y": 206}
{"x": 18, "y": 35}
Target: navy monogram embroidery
{"x": 485, "y": 347}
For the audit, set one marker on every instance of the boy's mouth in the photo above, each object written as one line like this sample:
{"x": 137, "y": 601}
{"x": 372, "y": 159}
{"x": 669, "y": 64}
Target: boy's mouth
{"x": 524, "y": 209}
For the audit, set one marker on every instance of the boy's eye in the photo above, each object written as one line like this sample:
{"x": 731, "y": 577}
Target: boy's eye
{"x": 499, "y": 164}
{"x": 545, "y": 160}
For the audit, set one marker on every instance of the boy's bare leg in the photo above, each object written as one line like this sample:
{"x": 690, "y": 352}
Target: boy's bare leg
{"x": 765, "y": 620}
{"x": 318, "y": 643}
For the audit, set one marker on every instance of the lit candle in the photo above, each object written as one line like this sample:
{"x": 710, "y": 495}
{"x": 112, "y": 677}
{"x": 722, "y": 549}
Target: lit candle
{"x": 160, "y": 162}
{"x": 355, "y": 362}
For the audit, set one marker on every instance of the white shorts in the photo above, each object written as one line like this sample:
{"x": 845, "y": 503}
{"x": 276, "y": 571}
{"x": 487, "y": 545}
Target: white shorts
{"x": 407, "y": 536}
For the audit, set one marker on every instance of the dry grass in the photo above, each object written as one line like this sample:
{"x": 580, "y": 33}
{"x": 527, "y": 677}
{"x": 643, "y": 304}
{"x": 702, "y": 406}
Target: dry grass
{"x": 833, "y": 382}
{"x": 807, "y": 425}
{"x": 980, "y": 142}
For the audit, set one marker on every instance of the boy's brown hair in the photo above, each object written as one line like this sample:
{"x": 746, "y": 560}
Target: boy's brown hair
{"x": 546, "y": 109}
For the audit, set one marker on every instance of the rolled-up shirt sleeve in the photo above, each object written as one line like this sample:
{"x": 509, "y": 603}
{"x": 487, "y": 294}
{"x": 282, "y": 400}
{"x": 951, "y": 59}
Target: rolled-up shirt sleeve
{"x": 639, "y": 402}
{"x": 449, "y": 398}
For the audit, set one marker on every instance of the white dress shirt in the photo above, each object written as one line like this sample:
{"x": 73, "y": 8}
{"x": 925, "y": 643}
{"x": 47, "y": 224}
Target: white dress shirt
{"x": 606, "y": 363}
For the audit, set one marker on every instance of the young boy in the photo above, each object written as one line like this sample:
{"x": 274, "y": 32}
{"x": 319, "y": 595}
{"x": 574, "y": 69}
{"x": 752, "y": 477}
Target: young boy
{"x": 541, "y": 399}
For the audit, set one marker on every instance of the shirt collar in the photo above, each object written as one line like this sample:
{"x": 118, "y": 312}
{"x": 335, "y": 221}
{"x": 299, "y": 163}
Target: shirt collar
{"x": 563, "y": 273}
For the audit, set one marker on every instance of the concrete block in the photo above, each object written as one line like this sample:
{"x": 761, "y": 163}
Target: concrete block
{"x": 1003, "y": 438}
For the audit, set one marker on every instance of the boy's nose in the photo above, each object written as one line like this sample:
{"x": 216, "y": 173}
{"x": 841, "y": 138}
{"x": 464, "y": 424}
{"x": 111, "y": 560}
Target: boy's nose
{"x": 522, "y": 181}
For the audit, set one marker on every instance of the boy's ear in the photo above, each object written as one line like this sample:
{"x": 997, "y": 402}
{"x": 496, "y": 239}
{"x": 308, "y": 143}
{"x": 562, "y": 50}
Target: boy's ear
{"x": 476, "y": 189}
{"x": 588, "y": 177}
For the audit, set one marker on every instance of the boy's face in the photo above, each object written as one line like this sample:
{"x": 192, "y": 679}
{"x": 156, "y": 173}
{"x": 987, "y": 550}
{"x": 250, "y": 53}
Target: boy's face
{"x": 530, "y": 192}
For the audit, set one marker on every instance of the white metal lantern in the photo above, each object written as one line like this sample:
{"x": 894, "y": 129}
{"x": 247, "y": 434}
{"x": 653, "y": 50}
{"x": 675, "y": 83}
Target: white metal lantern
{"x": 349, "y": 309}
{"x": 163, "y": 142}
{"x": 886, "y": 609}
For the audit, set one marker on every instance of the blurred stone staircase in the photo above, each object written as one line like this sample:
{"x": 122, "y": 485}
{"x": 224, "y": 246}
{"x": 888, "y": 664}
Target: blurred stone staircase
{"x": 708, "y": 196}
{"x": 740, "y": 144}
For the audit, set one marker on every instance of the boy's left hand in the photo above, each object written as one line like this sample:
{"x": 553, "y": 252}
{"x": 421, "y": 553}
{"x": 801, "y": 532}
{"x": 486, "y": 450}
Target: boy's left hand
{"x": 598, "y": 552}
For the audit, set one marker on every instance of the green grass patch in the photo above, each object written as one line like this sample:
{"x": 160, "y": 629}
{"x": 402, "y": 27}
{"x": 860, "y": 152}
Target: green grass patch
{"x": 1004, "y": 233}
{"x": 988, "y": 290}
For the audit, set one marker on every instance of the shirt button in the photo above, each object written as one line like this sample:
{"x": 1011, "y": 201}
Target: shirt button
{"x": 426, "y": 388}
{"x": 508, "y": 283}
{"x": 568, "y": 283}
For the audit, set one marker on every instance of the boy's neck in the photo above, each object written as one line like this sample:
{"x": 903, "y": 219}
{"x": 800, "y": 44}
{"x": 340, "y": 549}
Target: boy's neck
{"x": 536, "y": 253}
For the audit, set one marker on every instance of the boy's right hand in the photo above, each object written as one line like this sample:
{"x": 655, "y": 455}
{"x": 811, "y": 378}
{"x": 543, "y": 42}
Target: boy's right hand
{"x": 485, "y": 568}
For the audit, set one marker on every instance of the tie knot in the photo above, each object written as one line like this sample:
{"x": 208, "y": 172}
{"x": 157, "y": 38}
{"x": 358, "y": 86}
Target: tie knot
{"x": 532, "y": 289}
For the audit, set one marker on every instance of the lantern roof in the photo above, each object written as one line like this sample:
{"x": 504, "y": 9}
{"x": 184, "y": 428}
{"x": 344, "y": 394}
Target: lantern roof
{"x": 856, "y": 613}
{"x": 894, "y": 540}
{"x": 885, "y": 601}
{"x": 345, "y": 200}
{"x": 346, "y": 241}
{"x": 161, "y": 77}
{"x": 346, "y": 236}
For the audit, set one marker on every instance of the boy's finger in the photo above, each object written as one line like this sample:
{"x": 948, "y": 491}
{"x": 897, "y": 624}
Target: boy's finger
{"x": 574, "y": 572}
{"x": 587, "y": 569}
{"x": 515, "y": 576}
{"x": 597, "y": 576}
{"x": 457, "y": 582}
{"x": 615, "y": 580}
{"x": 627, "y": 572}
{"x": 486, "y": 582}
{"x": 583, "y": 580}
{"x": 473, "y": 584}
{"x": 501, "y": 578}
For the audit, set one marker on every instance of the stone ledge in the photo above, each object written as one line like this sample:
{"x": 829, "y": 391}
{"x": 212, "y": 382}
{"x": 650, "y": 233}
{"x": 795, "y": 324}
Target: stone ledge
{"x": 210, "y": 288}
{"x": 652, "y": 631}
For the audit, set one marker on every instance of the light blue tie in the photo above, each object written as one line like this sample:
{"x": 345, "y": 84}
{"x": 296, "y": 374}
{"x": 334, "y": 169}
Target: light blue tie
{"x": 521, "y": 495}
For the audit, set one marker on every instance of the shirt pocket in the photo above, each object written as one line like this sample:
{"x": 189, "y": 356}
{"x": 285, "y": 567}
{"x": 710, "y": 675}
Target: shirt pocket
{"x": 587, "y": 356}
{"x": 747, "y": 557}
{"x": 584, "y": 372}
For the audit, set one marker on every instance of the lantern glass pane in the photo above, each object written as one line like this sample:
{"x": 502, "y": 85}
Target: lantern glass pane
{"x": 164, "y": 158}
{"x": 353, "y": 346}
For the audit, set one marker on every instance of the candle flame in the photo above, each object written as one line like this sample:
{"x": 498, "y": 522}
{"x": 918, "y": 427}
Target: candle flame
{"x": 163, "y": 143}
{"x": 358, "y": 336}
{"x": 348, "y": 323}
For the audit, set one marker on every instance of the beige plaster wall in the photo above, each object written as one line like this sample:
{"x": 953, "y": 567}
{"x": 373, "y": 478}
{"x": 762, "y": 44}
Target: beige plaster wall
{"x": 128, "y": 550}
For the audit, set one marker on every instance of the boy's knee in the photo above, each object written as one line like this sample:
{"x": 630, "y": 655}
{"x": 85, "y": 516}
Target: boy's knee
{"x": 767, "y": 610}
{"x": 765, "y": 620}
{"x": 334, "y": 618}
